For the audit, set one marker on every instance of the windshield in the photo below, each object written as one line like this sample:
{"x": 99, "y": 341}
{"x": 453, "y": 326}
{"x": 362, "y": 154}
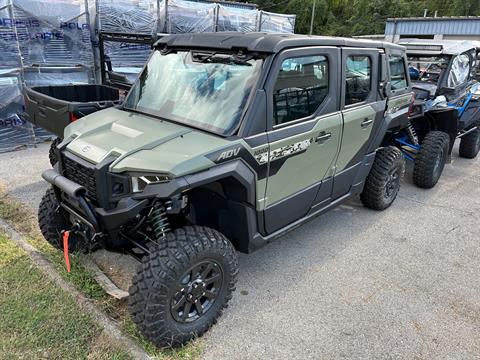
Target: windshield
{"x": 199, "y": 89}
{"x": 427, "y": 68}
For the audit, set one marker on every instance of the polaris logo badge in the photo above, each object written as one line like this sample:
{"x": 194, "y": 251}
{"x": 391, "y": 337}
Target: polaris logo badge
{"x": 228, "y": 154}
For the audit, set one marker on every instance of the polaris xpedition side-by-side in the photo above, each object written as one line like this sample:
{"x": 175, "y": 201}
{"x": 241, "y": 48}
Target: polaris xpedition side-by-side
{"x": 225, "y": 142}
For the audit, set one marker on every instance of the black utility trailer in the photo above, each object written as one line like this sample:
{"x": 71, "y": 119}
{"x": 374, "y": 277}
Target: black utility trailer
{"x": 54, "y": 107}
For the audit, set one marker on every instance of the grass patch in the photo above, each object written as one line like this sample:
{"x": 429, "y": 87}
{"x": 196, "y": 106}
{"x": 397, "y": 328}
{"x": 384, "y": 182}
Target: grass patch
{"x": 40, "y": 320}
{"x": 24, "y": 220}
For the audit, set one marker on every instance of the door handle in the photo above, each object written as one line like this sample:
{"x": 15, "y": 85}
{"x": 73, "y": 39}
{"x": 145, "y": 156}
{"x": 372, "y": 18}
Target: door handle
{"x": 323, "y": 137}
{"x": 366, "y": 122}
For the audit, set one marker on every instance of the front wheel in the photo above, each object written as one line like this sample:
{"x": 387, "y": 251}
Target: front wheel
{"x": 52, "y": 153}
{"x": 183, "y": 285}
{"x": 51, "y": 222}
{"x": 383, "y": 181}
{"x": 430, "y": 159}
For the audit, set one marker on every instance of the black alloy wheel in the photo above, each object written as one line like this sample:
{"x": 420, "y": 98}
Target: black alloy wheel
{"x": 197, "y": 291}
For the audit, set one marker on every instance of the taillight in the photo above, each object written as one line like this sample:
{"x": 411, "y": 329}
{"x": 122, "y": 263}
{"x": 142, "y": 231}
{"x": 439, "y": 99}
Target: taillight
{"x": 73, "y": 117}
{"x": 411, "y": 107}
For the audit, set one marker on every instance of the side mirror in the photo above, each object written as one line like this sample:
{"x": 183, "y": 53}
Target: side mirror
{"x": 385, "y": 88}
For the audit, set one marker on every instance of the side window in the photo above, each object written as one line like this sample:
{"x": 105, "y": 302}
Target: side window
{"x": 397, "y": 73}
{"x": 358, "y": 79}
{"x": 301, "y": 86}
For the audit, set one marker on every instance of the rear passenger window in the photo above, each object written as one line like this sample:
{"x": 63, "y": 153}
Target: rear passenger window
{"x": 301, "y": 87}
{"x": 397, "y": 72}
{"x": 358, "y": 79}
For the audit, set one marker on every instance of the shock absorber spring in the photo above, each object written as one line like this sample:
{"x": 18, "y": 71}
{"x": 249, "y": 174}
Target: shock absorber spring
{"x": 159, "y": 221}
{"x": 412, "y": 134}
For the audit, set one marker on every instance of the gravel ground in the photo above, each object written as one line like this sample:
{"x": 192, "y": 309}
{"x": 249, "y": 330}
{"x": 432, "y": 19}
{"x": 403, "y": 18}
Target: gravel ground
{"x": 353, "y": 283}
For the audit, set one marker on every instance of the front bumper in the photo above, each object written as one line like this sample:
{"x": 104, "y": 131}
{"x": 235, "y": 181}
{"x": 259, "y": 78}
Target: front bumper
{"x": 72, "y": 198}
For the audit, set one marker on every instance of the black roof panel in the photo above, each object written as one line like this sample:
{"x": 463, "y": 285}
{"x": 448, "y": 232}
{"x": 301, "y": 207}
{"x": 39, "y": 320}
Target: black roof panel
{"x": 263, "y": 42}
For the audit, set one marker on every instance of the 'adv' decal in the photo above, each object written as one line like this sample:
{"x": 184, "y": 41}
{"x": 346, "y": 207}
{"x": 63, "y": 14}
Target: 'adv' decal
{"x": 228, "y": 154}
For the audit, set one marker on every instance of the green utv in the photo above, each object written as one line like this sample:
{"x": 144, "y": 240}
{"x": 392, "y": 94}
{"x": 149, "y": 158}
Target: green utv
{"x": 225, "y": 142}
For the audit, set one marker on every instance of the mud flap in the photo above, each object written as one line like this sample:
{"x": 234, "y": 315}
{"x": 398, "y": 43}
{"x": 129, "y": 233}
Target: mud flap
{"x": 446, "y": 120}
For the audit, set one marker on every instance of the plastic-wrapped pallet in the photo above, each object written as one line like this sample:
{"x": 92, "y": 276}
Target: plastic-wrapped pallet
{"x": 188, "y": 17}
{"x": 9, "y": 51}
{"x": 15, "y": 132}
{"x": 53, "y": 32}
{"x": 236, "y": 19}
{"x": 276, "y": 23}
{"x": 129, "y": 16}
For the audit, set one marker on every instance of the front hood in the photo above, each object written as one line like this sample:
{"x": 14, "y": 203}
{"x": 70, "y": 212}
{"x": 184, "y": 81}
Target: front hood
{"x": 140, "y": 143}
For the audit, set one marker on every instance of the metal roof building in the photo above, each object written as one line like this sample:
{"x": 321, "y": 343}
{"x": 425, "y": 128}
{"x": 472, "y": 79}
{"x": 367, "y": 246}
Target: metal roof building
{"x": 454, "y": 28}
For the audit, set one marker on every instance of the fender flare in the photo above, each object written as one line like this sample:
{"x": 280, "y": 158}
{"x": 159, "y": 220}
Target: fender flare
{"x": 235, "y": 169}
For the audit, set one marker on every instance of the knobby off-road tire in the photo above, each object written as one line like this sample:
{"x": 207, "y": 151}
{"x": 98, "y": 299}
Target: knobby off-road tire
{"x": 191, "y": 261}
{"x": 430, "y": 159}
{"x": 383, "y": 181}
{"x": 52, "y": 155}
{"x": 470, "y": 145}
{"x": 52, "y": 222}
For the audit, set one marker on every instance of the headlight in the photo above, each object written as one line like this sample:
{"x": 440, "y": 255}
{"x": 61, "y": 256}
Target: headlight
{"x": 140, "y": 182}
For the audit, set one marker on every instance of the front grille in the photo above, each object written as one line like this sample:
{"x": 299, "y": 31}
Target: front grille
{"x": 81, "y": 175}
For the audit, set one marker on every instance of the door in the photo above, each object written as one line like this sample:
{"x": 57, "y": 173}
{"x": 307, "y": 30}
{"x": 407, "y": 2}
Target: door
{"x": 362, "y": 112}
{"x": 305, "y": 130}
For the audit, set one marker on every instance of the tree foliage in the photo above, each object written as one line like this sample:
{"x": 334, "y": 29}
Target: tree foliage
{"x": 362, "y": 17}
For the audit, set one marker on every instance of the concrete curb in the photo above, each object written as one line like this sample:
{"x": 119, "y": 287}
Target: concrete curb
{"x": 103, "y": 320}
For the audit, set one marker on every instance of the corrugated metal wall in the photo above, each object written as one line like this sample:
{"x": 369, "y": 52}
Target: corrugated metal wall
{"x": 433, "y": 26}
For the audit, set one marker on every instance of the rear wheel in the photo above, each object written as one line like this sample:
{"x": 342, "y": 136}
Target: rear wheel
{"x": 383, "y": 181}
{"x": 430, "y": 159}
{"x": 470, "y": 145}
{"x": 183, "y": 285}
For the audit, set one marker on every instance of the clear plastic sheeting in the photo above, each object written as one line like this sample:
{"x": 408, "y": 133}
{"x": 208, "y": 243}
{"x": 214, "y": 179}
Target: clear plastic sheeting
{"x": 123, "y": 54}
{"x": 276, "y": 23}
{"x": 53, "y": 32}
{"x": 182, "y": 16}
{"x": 188, "y": 17}
{"x": 129, "y": 16}
{"x": 57, "y": 76}
{"x": 236, "y": 19}
{"x": 15, "y": 132}
{"x": 460, "y": 70}
{"x": 9, "y": 51}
